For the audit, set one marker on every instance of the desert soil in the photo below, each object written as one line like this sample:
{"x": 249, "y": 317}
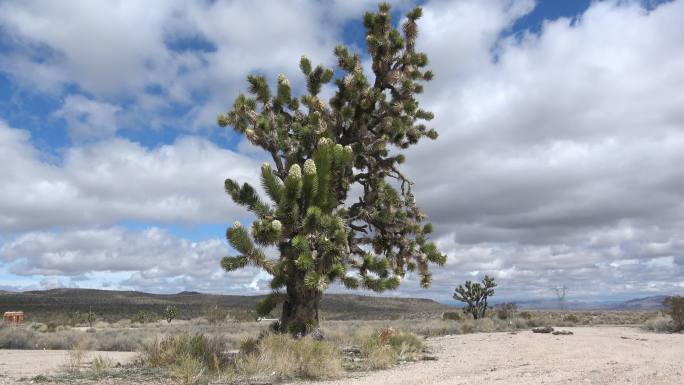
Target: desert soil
{"x": 18, "y": 364}
{"x": 593, "y": 355}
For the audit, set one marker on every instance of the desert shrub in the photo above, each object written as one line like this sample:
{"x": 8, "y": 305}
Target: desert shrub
{"x": 216, "y": 314}
{"x": 525, "y": 315}
{"x": 114, "y": 340}
{"x": 242, "y": 315}
{"x": 571, "y": 319}
{"x": 379, "y": 356}
{"x": 468, "y": 327}
{"x": 74, "y": 360}
{"x": 520, "y": 323}
{"x": 15, "y": 338}
{"x": 659, "y": 324}
{"x": 122, "y": 323}
{"x": 39, "y": 327}
{"x": 505, "y": 310}
{"x": 143, "y": 316}
{"x": 187, "y": 370}
{"x": 674, "y": 307}
{"x": 287, "y": 358}
{"x": 387, "y": 346}
{"x": 170, "y": 350}
{"x": 100, "y": 366}
{"x": 452, "y": 316}
{"x": 249, "y": 346}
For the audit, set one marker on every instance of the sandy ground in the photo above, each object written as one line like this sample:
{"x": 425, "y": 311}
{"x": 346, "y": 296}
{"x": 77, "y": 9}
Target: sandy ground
{"x": 596, "y": 355}
{"x": 593, "y": 355}
{"x": 16, "y": 364}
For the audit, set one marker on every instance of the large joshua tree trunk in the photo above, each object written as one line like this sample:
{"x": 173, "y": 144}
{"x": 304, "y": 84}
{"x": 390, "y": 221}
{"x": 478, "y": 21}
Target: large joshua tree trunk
{"x": 300, "y": 309}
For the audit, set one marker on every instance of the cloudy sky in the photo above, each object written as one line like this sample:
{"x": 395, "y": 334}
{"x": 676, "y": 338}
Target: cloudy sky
{"x": 560, "y": 159}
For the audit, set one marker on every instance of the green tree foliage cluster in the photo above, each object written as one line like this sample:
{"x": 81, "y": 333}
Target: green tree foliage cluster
{"x": 339, "y": 207}
{"x": 475, "y": 296}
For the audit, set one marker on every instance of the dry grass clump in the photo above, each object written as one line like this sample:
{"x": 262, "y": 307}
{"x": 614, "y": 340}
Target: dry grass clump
{"x": 193, "y": 359}
{"x": 169, "y": 351}
{"x": 285, "y": 358}
{"x": 187, "y": 370}
{"x": 75, "y": 359}
{"x": 100, "y": 366}
{"x": 386, "y": 347}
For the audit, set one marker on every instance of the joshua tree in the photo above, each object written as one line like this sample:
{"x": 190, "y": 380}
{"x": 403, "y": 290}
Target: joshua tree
{"x": 90, "y": 316}
{"x": 340, "y": 210}
{"x": 560, "y": 294}
{"x": 170, "y": 313}
{"x": 674, "y": 307}
{"x": 475, "y": 295}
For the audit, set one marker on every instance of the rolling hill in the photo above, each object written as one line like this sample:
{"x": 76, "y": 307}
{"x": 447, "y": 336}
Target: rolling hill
{"x": 112, "y": 305}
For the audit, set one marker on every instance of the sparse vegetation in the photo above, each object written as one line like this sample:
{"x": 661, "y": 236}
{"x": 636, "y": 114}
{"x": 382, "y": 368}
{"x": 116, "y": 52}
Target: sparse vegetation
{"x": 452, "y": 315}
{"x": 505, "y": 310}
{"x": 143, "y": 316}
{"x": 217, "y": 314}
{"x": 287, "y": 358}
{"x": 659, "y": 324}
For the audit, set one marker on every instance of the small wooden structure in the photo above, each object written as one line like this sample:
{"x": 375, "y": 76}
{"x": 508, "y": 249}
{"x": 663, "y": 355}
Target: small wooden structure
{"x": 13, "y": 317}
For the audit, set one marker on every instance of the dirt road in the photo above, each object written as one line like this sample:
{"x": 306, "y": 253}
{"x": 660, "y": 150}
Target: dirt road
{"x": 596, "y": 355}
{"x": 16, "y": 364}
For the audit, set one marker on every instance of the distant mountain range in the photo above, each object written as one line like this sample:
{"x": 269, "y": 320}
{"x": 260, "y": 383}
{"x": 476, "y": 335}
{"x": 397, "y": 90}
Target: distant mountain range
{"x": 110, "y": 304}
{"x": 646, "y": 303}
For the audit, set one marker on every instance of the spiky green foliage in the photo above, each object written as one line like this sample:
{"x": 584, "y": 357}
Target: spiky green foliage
{"x": 320, "y": 150}
{"x": 475, "y": 295}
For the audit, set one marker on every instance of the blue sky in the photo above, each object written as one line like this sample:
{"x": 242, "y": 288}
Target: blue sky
{"x": 114, "y": 165}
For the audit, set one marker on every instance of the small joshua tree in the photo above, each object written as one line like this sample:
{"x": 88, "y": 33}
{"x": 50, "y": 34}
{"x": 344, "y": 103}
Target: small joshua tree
{"x": 170, "y": 313}
{"x": 90, "y": 316}
{"x": 561, "y": 291}
{"x": 475, "y": 295}
{"x": 341, "y": 209}
{"x": 674, "y": 307}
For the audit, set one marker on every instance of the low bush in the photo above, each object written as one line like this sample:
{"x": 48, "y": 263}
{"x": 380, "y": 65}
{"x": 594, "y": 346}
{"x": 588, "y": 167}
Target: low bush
{"x": 171, "y": 350}
{"x": 506, "y": 310}
{"x": 525, "y": 315}
{"x": 452, "y": 316}
{"x": 216, "y": 314}
{"x": 659, "y": 324}
{"x": 386, "y": 347}
{"x": 187, "y": 370}
{"x": 571, "y": 319}
{"x": 100, "y": 366}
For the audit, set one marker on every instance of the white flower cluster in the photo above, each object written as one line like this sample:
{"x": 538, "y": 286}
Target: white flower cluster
{"x": 295, "y": 172}
{"x": 283, "y": 80}
{"x": 309, "y": 167}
